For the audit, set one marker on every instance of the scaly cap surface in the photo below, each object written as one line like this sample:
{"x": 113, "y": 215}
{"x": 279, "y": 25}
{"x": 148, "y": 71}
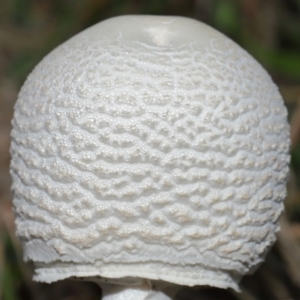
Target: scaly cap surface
{"x": 150, "y": 147}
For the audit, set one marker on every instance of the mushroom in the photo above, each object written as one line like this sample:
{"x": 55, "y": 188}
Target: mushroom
{"x": 148, "y": 152}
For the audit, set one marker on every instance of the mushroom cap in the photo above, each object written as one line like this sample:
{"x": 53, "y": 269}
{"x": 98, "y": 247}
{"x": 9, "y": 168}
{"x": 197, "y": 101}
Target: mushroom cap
{"x": 149, "y": 147}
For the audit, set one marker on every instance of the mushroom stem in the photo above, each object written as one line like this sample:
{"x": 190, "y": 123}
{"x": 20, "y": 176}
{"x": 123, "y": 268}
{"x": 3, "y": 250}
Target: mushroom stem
{"x": 131, "y": 292}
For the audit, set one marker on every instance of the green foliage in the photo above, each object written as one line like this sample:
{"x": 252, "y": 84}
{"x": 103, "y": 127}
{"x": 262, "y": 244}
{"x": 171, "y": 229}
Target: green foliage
{"x": 10, "y": 278}
{"x": 284, "y": 63}
{"x": 226, "y": 17}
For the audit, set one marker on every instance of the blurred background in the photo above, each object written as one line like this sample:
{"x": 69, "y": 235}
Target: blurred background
{"x": 268, "y": 29}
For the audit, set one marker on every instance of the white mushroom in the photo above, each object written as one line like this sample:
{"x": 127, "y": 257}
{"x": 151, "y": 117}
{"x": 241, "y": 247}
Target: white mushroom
{"x": 148, "y": 151}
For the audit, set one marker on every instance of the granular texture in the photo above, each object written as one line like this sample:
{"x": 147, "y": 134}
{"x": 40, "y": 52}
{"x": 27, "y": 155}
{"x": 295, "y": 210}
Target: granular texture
{"x": 150, "y": 159}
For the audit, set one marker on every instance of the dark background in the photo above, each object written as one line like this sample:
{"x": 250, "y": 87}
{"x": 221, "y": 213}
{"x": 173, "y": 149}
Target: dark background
{"x": 268, "y": 29}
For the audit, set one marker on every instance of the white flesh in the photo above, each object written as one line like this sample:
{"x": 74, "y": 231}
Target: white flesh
{"x": 126, "y": 292}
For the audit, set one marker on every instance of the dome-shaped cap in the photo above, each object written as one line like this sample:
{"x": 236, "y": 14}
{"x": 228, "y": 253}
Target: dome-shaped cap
{"x": 149, "y": 147}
